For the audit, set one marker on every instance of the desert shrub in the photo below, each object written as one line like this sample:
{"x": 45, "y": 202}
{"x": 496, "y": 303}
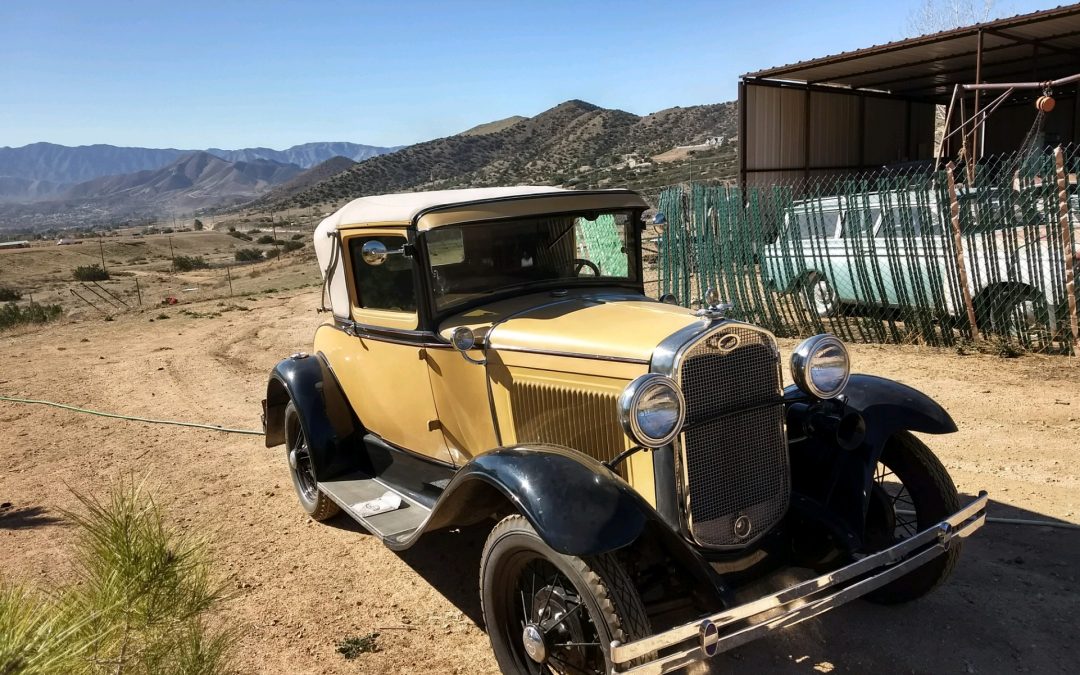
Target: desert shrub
{"x": 265, "y": 239}
{"x": 198, "y": 225}
{"x": 248, "y": 254}
{"x": 140, "y": 605}
{"x": 186, "y": 263}
{"x": 93, "y": 272}
{"x": 254, "y": 230}
{"x": 297, "y": 236}
{"x": 239, "y": 235}
{"x": 12, "y": 315}
{"x": 272, "y": 253}
{"x": 292, "y": 246}
{"x": 7, "y": 294}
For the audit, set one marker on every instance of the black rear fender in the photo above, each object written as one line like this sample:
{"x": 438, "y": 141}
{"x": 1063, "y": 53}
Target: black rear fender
{"x": 329, "y": 424}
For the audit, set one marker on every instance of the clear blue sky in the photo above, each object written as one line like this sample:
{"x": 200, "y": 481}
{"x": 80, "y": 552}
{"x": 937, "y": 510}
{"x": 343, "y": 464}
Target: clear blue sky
{"x": 233, "y": 73}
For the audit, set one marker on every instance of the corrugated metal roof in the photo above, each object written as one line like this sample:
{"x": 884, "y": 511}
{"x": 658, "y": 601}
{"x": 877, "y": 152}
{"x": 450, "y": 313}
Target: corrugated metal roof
{"x": 927, "y": 66}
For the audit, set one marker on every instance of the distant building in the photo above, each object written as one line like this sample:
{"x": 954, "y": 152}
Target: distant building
{"x": 14, "y": 244}
{"x": 68, "y": 242}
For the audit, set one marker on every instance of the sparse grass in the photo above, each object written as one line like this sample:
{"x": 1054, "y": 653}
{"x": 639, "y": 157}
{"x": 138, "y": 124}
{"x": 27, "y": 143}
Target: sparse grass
{"x": 91, "y": 273}
{"x": 187, "y": 263}
{"x": 140, "y": 604}
{"x": 248, "y": 254}
{"x": 355, "y": 645}
{"x": 12, "y": 315}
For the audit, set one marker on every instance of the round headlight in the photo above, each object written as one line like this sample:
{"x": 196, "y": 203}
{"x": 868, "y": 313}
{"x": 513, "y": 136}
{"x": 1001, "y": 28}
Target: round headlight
{"x": 820, "y": 366}
{"x": 652, "y": 410}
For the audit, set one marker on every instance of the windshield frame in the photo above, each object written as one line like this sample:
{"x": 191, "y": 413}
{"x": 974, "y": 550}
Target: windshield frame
{"x": 637, "y": 284}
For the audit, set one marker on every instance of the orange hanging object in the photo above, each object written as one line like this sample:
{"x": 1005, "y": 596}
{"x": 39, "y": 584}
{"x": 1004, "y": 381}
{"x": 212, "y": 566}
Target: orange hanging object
{"x": 1045, "y": 103}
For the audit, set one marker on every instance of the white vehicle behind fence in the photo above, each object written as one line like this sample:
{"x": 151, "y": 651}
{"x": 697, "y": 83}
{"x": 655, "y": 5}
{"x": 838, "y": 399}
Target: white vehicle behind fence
{"x": 855, "y": 253}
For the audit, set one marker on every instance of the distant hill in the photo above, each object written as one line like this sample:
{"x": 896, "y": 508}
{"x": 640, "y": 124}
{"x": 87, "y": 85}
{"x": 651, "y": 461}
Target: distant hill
{"x": 575, "y": 143}
{"x": 193, "y": 181}
{"x": 493, "y": 127}
{"x": 63, "y": 164}
{"x": 315, "y": 174}
{"x": 307, "y": 155}
{"x": 38, "y": 170}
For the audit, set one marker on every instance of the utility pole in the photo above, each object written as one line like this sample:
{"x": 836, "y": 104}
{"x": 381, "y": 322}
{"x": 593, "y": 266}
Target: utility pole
{"x": 228, "y": 273}
{"x": 101, "y": 249}
{"x": 138, "y": 291}
{"x": 172, "y": 254}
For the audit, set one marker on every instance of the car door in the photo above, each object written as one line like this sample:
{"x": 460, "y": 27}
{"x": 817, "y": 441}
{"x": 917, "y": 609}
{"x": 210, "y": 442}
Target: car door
{"x": 382, "y": 368}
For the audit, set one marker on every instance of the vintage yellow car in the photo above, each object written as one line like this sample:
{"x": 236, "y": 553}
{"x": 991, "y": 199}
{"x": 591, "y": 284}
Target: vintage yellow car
{"x": 492, "y": 357}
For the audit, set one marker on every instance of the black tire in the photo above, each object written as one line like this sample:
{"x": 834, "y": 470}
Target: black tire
{"x": 820, "y": 297}
{"x": 514, "y": 558}
{"x": 312, "y": 500}
{"x": 908, "y": 466}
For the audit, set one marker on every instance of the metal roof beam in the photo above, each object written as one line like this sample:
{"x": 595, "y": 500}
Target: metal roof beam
{"x": 951, "y": 71}
{"x": 917, "y": 42}
{"x": 1042, "y": 43}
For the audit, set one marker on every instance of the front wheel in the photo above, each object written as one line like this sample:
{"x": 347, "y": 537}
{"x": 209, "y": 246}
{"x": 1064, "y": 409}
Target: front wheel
{"x": 552, "y": 613}
{"x": 912, "y": 491}
{"x": 298, "y": 453}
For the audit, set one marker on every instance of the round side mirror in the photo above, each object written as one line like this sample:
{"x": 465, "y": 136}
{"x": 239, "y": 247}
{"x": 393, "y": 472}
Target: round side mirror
{"x": 373, "y": 252}
{"x": 463, "y": 339}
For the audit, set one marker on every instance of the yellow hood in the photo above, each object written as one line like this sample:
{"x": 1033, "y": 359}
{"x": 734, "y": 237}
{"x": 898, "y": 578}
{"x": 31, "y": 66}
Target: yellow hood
{"x": 590, "y": 325}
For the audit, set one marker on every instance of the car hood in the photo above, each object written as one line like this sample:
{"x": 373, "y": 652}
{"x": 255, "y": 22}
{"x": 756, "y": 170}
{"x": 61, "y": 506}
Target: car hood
{"x": 614, "y": 325}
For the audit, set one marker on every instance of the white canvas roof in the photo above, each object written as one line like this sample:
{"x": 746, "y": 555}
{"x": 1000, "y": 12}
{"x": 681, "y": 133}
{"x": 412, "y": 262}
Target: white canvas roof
{"x": 403, "y": 207}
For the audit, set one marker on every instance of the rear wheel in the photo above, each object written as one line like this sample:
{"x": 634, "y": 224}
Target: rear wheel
{"x": 912, "y": 491}
{"x": 821, "y": 300}
{"x": 552, "y": 613}
{"x": 298, "y": 452}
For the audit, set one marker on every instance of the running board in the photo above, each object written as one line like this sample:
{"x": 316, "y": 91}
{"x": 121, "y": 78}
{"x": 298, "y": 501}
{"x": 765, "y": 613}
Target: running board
{"x": 391, "y": 526}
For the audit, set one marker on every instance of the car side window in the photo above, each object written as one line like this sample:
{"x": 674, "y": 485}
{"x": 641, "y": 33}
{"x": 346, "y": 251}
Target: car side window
{"x": 388, "y": 286}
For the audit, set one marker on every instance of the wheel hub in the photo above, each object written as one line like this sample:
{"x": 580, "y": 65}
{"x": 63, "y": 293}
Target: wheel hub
{"x": 292, "y": 459}
{"x": 535, "y": 647}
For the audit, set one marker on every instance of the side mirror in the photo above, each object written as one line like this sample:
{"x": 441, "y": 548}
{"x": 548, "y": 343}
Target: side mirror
{"x": 374, "y": 252}
{"x": 463, "y": 339}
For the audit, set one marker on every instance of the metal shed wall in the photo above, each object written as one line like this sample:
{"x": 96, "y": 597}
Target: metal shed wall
{"x": 791, "y": 132}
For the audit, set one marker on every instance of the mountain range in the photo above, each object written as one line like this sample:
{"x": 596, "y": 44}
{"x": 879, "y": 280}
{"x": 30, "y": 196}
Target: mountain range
{"x": 43, "y": 170}
{"x": 575, "y": 143}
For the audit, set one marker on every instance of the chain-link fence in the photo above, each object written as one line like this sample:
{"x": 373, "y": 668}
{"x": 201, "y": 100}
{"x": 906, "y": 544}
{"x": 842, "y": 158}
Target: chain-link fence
{"x": 986, "y": 251}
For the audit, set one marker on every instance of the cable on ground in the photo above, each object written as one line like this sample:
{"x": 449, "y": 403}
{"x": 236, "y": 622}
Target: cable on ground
{"x": 195, "y": 425}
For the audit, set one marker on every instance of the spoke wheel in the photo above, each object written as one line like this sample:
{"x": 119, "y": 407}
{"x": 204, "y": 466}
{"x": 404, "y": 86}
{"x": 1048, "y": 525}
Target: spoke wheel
{"x": 302, "y": 468}
{"x": 911, "y": 492}
{"x": 551, "y": 613}
{"x": 821, "y": 299}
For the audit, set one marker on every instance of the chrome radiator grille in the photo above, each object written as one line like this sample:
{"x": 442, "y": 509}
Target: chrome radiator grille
{"x": 736, "y": 476}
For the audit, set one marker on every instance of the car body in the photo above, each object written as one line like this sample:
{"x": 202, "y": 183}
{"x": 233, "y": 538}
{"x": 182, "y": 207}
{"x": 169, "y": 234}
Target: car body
{"x": 491, "y": 356}
{"x": 878, "y": 250}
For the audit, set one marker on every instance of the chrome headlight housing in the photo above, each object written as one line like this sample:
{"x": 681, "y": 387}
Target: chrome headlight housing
{"x": 820, "y": 366}
{"x": 652, "y": 410}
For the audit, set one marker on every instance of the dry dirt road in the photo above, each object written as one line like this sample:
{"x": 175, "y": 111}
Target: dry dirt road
{"x": 301, "y": 587}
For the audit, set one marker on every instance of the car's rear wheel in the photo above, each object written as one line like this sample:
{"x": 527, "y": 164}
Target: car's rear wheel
{"x": 912, "y": 491}
{"x": 552, "y": 613}
{"x": 298, "y": 453}
{"x": 821, "y": 299}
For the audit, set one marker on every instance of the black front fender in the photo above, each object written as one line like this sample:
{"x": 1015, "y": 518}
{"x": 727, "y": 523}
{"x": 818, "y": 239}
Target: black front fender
{"x": 842, "y": 479}
{"x": 329, "y": 424}
{"x": 577, "y": 505}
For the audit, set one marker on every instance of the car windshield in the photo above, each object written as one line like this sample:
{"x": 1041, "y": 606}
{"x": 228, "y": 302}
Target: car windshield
{"x": 481, "y": 259}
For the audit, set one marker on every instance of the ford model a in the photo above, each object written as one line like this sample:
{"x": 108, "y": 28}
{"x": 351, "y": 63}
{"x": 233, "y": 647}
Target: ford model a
{"x": 492, "y": 357}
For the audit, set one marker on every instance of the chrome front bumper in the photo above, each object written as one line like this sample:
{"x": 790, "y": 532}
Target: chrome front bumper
{"x": 733, "y": 627}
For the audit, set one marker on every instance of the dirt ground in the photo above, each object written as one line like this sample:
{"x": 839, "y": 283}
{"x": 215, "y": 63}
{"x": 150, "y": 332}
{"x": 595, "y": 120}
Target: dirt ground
{"x": 301, "y": 587}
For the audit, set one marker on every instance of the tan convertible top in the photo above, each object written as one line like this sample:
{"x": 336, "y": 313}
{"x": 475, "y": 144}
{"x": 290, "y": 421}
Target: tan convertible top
{"x": 446, "y": 207}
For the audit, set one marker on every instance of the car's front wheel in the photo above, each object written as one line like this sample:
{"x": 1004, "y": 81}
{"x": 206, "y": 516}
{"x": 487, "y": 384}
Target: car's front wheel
{"x": 298, "y": 453}
{"x": 552, "y": 613}
{"x": 821, "y": 298}
{"x": 912, "y": 491}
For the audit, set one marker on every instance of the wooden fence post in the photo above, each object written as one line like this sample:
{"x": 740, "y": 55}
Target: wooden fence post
{"x": 958, "y": 246}
{"x": 138, "y": 291}
{"x": 1066, "y": 242}
{"x": 228, "y": 274}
